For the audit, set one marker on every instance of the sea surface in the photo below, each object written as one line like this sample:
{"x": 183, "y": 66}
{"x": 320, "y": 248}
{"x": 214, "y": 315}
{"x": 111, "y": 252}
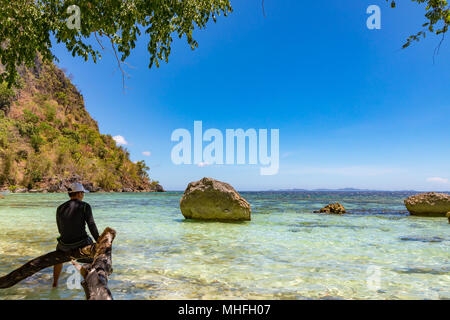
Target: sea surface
{"x": 376, "y": 251}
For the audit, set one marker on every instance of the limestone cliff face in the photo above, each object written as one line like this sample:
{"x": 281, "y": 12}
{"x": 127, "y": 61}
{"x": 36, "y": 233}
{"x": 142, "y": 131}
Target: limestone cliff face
{"x": 47, "y": 139}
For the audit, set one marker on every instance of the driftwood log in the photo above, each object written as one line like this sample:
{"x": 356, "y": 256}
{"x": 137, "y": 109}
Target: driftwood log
{"x": 95, "y": 283}
{"x": 95, "y": 274}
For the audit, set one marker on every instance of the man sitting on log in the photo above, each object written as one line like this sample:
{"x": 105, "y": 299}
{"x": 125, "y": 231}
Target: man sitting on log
{"x": 71, "y": 218}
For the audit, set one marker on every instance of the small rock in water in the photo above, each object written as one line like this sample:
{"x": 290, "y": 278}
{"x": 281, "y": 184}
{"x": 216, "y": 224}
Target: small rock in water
{"x": 335, "y": 208}
{"x": 210, "y": 199}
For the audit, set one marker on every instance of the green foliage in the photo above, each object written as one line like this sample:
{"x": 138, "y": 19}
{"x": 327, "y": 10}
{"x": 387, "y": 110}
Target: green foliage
{"x": 6, "y": 175}
{"x": 22, "y": 154}
{"x": 3, "y": 135}
{"x": 437, "y": 19}
{"x": 36, "y": 142}
{"x": 48, "y": 131}
{"x": 6, "y": 94}
{"x": 107, "y": 181}
{"x": 3, "y": 141}
{"x": 26, "y": 129}
{"x": 30, "y": 117}
{"x": 13, "y": 188}
{"x": 62, "y": 98}
{"x": 102, "y": 152}
{"x": 50, "y": 112}
{"x": 71, "y": 134}
{"x": 5, "y": 132}
{"x": 41, "y": 98}
{"x": 142, "y": 169}
{"x": 26, "y": 26}
{"x": 37, "y": 168}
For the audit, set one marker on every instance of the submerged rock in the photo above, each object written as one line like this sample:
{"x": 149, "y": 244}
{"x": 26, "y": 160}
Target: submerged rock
{"x": 210, "y": 199}
{"x": 429, "y": 204}
{"x": 2, "y": 196}
{"x": 448, "y": 216}
{"x": 335, "y": 208}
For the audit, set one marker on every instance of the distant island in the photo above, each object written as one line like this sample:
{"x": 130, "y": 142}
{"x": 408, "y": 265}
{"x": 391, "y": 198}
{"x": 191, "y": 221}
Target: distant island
{"x": 48, "y": 139}
{"x": 344, "y": 190}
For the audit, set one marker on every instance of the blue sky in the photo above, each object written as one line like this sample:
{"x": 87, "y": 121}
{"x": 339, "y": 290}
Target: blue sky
{"x": 353, "y": 109}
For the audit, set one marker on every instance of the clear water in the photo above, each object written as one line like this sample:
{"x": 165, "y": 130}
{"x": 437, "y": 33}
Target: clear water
{"x": 377, "y": 251}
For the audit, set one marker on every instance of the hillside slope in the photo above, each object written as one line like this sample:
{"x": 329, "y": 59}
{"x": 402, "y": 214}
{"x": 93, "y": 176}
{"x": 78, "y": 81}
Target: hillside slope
{"x": 48, "y": 139}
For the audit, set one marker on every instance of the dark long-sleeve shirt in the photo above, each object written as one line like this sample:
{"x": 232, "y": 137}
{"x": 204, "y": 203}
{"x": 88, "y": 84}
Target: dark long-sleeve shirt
{"x": 71, "y": 218}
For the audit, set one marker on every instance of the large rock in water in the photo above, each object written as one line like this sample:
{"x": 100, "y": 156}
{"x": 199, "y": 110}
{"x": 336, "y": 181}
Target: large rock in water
{"x": 210, "y": 199}
{"x": 335, "y": 208}
{"x": 430, "y": 204}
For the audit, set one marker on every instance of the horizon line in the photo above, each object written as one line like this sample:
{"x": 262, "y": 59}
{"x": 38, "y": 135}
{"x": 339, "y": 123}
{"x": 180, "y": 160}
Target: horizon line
{"x": 329, "y": 190}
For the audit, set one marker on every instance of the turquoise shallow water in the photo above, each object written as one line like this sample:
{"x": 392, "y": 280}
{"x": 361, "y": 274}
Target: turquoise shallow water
{"x": 377, "y": 251}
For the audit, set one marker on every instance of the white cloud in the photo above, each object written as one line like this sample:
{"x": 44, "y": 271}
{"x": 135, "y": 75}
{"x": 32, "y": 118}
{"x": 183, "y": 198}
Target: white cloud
{"x": 147, "y": 153}
{"x": 120, "y": 140}
{"x": 437, "y": 179}
{"x": 202, "y": 164}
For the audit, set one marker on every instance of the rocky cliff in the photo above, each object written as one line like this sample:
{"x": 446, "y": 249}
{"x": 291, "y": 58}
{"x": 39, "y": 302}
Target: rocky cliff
{"x": 48, "y": 139}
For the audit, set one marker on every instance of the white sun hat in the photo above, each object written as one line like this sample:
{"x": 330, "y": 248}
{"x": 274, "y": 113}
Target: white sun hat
{"x": 77, "y": 187}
